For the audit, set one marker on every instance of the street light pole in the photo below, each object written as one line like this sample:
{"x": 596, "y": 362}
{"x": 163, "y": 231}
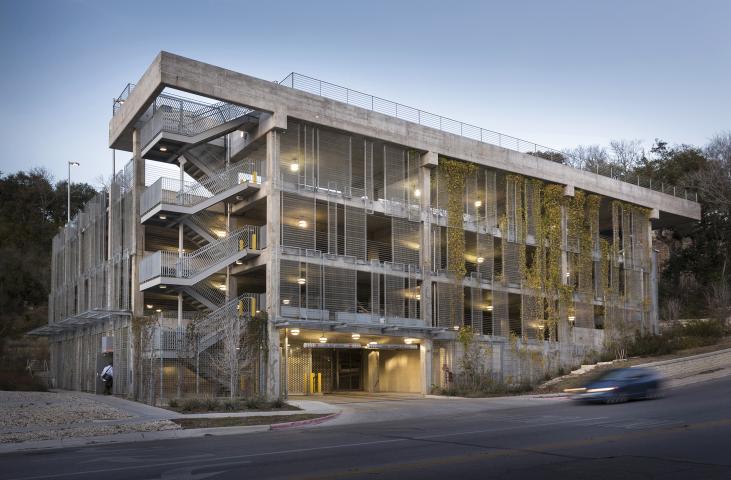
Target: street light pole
{"x": 68, "y": 188}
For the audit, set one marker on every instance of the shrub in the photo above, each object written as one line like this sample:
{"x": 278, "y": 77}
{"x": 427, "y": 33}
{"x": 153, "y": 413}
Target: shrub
{"x": 253, "y": 403}
{"x": 211, "y": 404}
{"x": 231, "y": 405}
{"x": 192, "y": 404}
{"x": 709, "y": 328}
{"x": 174, "y": 403}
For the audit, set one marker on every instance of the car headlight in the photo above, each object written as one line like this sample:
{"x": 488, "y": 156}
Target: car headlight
{"x": 603, "y": 389}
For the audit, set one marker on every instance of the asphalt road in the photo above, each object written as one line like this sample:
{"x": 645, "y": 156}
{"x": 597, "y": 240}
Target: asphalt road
{"x": 685, "y": 435}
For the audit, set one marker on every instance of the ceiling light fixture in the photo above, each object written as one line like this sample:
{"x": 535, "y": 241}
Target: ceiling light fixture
{"x": 294, "y": 167}
{"x": 285, "y": 301}
{"x": 478, "y": 203}
{"x": 302, "y": 223}
{"x": 295, "y": 331}
{"x": 355, "y": 336}
{"x": 149, "y": 306}
{"x": 163, "y": 286}
{"x": 417, "y": 193}
{"x": 162, "y": 216}
{"x": 323, "y": 339}
{"x": 163, "y": 149}
{"x": 480, "y": 259}
{"x": 301, "y": 281}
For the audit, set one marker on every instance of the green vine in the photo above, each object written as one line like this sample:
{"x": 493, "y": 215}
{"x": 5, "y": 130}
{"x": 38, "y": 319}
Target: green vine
{"x": 456, "y": 173}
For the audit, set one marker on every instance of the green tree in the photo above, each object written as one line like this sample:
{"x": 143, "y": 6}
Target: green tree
{"x": 32, "y": 209}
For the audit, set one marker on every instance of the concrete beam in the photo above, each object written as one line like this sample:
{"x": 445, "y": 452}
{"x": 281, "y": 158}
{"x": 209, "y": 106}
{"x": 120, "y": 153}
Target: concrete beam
{"x": 237, "y": 88}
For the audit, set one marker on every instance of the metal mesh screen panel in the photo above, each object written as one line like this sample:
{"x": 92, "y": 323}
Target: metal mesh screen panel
{"x": 500, "y": 313}
{"x": 406, "y": 241}
{"x": 298, "y": 221}
{"x": 355, "y": 232}
{"x": 339, "y": 291}
{"x": 394, "y": 295}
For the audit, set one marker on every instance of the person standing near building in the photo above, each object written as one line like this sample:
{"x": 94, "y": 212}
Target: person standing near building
{"x": 107, "y": 376}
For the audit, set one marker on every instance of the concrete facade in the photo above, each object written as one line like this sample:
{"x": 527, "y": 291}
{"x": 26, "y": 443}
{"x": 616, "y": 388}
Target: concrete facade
{"x": 336, "y": 222}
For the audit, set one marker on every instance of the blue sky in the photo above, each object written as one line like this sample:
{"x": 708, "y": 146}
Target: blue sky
{"x": 559, "y": 73}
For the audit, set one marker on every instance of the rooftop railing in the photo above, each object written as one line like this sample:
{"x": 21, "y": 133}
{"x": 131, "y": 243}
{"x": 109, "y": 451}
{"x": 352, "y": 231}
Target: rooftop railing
{"x": 119, "y": 101}
{"x": 387, "y": 107}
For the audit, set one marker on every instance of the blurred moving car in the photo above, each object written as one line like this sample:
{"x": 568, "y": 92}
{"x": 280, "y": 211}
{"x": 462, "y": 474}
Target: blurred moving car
{"x": 620, "y": 385}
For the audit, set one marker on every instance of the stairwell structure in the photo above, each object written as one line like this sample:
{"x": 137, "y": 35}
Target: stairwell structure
{"x": 310, "y": 238}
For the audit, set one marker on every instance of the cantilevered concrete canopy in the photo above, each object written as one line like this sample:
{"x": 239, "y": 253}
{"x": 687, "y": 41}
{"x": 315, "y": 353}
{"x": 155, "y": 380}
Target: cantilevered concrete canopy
{"x": 169, "y": 70}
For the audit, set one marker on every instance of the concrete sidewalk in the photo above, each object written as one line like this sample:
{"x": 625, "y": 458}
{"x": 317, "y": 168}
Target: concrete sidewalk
{"x": 135, "y": 413}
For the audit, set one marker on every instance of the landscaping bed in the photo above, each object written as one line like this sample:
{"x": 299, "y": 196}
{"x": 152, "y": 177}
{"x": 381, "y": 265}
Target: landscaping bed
{"x": 213, "y": 405}
{"x": 188, "y": 423}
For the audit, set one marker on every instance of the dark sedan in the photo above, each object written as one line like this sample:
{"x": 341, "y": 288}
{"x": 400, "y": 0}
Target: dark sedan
{"x": 620, "y": 385}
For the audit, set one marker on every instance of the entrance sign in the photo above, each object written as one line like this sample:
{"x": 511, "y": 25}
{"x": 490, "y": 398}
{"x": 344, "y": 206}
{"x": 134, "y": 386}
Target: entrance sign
{"x": 332, "y": 345}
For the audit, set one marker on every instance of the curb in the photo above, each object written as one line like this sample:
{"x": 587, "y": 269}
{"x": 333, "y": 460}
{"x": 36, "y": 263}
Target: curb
{"x": 299, "y": 423}
{"x": 532, "y": 395}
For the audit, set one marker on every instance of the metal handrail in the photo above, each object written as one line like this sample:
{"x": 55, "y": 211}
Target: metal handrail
{"x": 170, "y": 191}
{"x": 119, "y": 101}
{"x": 353, "y": 97}
{"x": 213, "y": 325}
{"x": 183, "y": 116}
{"x": 172, "y": 264}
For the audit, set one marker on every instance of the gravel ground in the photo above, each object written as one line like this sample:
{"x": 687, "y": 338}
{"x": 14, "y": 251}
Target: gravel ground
{"x": 48, "y": 415}
{"x": 87, "y": 431}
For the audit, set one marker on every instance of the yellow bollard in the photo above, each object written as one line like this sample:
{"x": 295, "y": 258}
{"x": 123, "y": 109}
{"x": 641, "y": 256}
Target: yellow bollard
{"x": 253, "y": 177}
{"x": 319, "y": 382}
{"x": 312, "y": 382}
{"x": 241, "y": 244}
{"x": 253, "y": 306}
{"x": 253, "y": 241}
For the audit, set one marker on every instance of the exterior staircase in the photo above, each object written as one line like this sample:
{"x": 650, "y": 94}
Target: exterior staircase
{"x": 168, "y": 267}
{"x": 192, "y": 122}
{"x": 168, "y": 195}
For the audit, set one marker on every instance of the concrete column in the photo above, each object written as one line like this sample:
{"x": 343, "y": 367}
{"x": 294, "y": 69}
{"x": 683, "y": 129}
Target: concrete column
{"x": 181, "y": 160}
{"x": 180, "y": 309}
{"x": 138, "y": 251}
{"x": 272, "y": 380}
{"x": 428, "y": 162}
{"x": 564, "y": 329}
{"x": 654, "y": 303}
{"x": 426, "y": 355}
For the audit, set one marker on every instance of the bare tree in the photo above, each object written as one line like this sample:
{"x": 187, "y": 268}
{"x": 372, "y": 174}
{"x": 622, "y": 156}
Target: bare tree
{"x": 626, "y": 154}
{"x": 587, "y": 157}
{"x": 714, "y": 181}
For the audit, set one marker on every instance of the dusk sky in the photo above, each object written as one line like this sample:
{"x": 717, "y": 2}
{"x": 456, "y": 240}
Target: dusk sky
{"x": 559, "y": 73}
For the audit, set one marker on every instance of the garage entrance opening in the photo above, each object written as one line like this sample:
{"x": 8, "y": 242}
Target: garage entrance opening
{"x": 348, "y": 370}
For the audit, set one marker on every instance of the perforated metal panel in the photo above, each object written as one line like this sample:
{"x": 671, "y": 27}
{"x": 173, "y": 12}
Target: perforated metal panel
{"x": 299, "y": 364}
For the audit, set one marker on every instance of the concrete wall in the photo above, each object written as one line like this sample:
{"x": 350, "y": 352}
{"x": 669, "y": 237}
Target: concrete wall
{"x": 399, "y": 371}
{"x": 237, "y": 88}
{"x": 688, "y": 366}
